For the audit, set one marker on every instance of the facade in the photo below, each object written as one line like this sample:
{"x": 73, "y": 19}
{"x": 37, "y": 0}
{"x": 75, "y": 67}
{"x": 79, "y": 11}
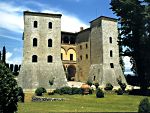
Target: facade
{"x": 41, "y": 53}
{"x": 51, "y": 54}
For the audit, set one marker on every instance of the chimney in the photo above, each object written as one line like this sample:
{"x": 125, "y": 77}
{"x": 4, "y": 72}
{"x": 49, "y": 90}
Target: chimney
{"x": 81, "y": 28}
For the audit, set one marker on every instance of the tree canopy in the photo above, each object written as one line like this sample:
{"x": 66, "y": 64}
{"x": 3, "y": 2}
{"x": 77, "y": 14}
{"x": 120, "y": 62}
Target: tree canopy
{"x": 8, "y": 90}
{"x": 134, "y": 19}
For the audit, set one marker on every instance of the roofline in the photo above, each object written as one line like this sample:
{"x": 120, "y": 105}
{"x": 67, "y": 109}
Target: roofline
{"x": 84, "y": 30}
{"x": 105, "y": 17}
{"x": 68, "y": 32}
{"x": 41, "y": 14}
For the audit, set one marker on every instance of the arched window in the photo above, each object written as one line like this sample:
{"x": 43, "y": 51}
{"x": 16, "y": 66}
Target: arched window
{"x": 49, "y": 58}
{"x": 35, "y": 24}
{"x": 50, "y": 25}
{"x": 71, "y": 56}
{"x": 110, "y": 39}
{"x": 34, "y": 42}
{"x": 49, "y": 42}
{"x": 111, "y": 53}
{"x": 34, "y": 58}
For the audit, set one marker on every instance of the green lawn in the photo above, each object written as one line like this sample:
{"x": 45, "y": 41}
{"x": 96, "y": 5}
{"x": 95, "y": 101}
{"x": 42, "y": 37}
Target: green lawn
{"x": 80, "y": 103}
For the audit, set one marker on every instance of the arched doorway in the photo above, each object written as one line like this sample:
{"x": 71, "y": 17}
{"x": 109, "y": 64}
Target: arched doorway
{"x": 71, "y": 71}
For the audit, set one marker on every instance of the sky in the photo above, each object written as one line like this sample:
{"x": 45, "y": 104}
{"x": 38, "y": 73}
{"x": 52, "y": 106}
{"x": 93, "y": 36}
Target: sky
{"x": 75, "y": 13}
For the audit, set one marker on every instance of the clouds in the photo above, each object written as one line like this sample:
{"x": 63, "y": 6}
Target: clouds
{"x": 128, "y": 65}
{"x": 12, "y": 17}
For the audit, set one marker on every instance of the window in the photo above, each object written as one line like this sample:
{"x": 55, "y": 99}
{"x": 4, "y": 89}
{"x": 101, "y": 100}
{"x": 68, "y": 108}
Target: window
{"x": 49, "y": 58}
{"x": 72, "y": 40}
{"x": 66, "y": 39}
{"x": 49, "y": 42}
{"x": 111, "y": 65}
{"x": 110, "y": 39}
{"x": 34, "y": 58}
{"x": 86, "y": 56}
{"x": 61, "y": 56}
{"x": 111, "y": 53}
{"x": 34, "y": 42}
{"x": 80, "y": 46}
{"x": 86, "y": 46}
{"x": 50, "y": 25}
{"x": 71, "y": 56}
{"x": 94, "y": 78}
{"x": 80, "y": 57}
{"x": 35, "y": 24}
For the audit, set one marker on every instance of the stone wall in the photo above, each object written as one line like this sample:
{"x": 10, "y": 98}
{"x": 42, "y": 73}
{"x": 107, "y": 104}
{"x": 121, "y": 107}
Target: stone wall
{"x": 35, "y": 74}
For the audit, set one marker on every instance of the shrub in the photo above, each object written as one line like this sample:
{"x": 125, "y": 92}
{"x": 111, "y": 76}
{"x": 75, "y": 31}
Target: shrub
{"x": 39, "y": 91}
{"x": 119, "y": 91}
{"x": 99, "y": 93}
{"x": 20, "y": 94}
{"x": 96, "y": 85}
{"x": 76, "y": 90}
{"x": 89, "y": 83}
{"x": 68, "y": 90}
{"x": 109, "y": 86}
{"x": 123, "y": 86}
{"x": 144, "y": 106}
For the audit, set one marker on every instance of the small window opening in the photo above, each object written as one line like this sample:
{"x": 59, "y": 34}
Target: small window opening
{"x": 111, "y": 53}
{"x": 81, "y": 57}
{"x": 86, "y": 46}
{"x": 94, "y": 78}
{"x": 35, "y": 24}
{"x": 110, "y": 39}
{"x": 86, "y": 56}
{"x": 111, "y": 65}
{"x": 34, "y": 58}
{"x": 80, "y": 46}
{"x": 49, "y": 42}
{"x": 50, "y": 25}
{"x": 61, "y": 56}
{"x": 71, "y": 56}
{"x": 34, "y": 42}
{"x": 49, "y": 58}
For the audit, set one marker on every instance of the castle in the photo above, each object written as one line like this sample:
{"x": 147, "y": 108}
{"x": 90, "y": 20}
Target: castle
{"x": 50, "y": 54}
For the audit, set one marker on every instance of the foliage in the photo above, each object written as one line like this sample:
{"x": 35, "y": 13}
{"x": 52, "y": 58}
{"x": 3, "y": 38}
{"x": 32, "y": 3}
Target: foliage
{"x": 122, "y": 85}
{"x": 96, "y": 85}
{"x": 8, "y": 91}
{"x": 0, "y": 55}
{"x": 89, "y": 83}
{"x": 20, "y": 94}
{"x": 109, "y": 86}
{"x": 144, "y": 106}
{"x": 39, "y": 91}
{"x": 119, "y": 91}
{"x": 51, "y": 82}
{"x": 99, "y": 93}
{"x": 68, "y": 90}
{"x": 134, "y": 31}
{"x": 4, "y": 55}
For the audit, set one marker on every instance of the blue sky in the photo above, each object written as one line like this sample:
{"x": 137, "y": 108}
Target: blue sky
{"x": 76, "y": 13}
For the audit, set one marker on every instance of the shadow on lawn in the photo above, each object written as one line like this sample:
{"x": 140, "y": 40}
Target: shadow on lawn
{"x": 140, "y": 92}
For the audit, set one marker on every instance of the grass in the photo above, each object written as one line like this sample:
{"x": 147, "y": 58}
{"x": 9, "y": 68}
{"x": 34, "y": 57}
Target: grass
{"x": 80, "y": 103}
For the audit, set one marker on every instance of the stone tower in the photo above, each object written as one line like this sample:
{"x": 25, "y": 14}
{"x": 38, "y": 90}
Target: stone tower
{"x": 41, "y": 52}
{"x": 105, "y": 67}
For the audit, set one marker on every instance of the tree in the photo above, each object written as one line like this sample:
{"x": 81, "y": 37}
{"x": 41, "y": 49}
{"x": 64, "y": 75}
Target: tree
{"x": 8, "y": 91}
{"x": 144, "y": 106}
{"x": 135, "y": 35}
{"x": 0, "y": 55}
{"x": 4, "y": 55}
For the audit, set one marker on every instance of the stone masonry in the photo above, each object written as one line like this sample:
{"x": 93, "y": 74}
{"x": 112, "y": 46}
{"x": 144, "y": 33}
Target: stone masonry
{"x": 41, "y": 52}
